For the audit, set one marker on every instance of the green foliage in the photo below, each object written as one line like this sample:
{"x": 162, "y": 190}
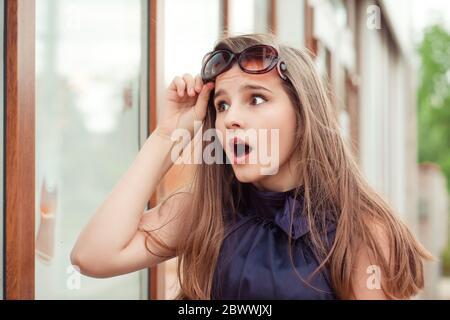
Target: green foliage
{"x": 433, "y": 103}
{"x": 434, "y": 99}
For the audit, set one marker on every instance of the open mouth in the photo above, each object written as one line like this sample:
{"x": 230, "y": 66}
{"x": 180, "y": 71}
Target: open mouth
{"x": 240, "y": 148}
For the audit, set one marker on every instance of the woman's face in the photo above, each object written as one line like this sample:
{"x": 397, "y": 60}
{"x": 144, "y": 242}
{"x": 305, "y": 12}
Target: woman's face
{"x": 254, "y": 108}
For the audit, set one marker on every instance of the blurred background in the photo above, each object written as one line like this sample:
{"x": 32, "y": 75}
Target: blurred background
{"x": 102, "y": 67}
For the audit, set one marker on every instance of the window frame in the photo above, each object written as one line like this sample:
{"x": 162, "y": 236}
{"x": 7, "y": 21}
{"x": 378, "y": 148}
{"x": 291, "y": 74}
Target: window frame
{"x": 2, "y": 25}
{"x": 19, "y": 111}
{"x": 19, "y": 202}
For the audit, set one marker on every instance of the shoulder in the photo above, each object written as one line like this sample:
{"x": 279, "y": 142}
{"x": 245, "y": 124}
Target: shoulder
{"x": 368, "y": 279}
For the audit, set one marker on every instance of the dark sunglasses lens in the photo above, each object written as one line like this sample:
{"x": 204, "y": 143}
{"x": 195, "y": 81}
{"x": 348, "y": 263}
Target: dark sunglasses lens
{"x": 216, "y": 63}
{"x": 258, "y": 58}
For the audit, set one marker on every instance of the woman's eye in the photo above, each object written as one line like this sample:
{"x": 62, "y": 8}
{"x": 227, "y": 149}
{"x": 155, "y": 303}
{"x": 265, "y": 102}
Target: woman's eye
{"x": 258, "y": 99}
{"x": 222, "y": 106}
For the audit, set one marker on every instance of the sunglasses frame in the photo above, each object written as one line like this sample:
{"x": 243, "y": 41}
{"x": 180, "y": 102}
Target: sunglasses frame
{"x": 281, "y": 65}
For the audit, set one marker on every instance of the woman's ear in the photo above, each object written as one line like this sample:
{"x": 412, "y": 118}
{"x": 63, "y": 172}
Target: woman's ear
{"x": 282, "y": 67}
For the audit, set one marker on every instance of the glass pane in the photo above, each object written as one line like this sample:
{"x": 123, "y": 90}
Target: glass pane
{"x": 255, "y": 19}
{"x": 90, "y": 62}
{"x": 190, "y": 30}
{"x": 1, "y": 143}
{"x": 291, "y": 22}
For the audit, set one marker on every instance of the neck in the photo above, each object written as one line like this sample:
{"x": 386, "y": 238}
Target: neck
{"x": 283, "y": 181}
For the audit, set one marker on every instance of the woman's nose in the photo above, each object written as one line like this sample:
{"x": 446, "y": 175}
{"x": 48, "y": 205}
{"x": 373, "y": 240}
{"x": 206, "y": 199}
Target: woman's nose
{"x": 234, "y": 118}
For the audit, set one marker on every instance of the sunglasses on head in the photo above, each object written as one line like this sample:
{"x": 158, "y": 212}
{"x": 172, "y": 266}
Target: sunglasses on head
{"x": 256, "y": 59}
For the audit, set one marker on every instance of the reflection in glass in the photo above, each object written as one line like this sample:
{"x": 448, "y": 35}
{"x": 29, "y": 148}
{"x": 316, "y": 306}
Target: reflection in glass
{"x": 88, "y": 71}
{"x": 45, "y": 242}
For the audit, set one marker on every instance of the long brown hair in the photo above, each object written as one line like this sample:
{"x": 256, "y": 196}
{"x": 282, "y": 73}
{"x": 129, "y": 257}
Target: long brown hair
{"x": 333, "y": 188}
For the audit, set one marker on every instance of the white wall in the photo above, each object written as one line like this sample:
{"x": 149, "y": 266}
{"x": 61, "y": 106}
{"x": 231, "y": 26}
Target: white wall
{"x": 386, "y": 155}
{"x": 399, "y": 14}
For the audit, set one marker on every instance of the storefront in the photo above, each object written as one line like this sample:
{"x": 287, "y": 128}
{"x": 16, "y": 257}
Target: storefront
{"x": 77, "y": 109}
{"x": 84, "y": 88}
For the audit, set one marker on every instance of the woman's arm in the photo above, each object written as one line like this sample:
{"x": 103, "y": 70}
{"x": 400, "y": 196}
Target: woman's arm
{"x": 111, "y": 243}
{"x": 368, "y": 278}
{"x": 108, "y": 244}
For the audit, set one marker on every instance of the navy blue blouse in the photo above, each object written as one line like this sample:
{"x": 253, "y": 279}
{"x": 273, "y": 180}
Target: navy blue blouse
{"x": 254, "y": 260}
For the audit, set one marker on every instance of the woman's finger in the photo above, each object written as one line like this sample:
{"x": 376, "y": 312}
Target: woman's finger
{"x": 202, "y": 100}
{"x": 190, "y": 84}
{"x": 180, "y": 85}
{"x": 198, "y": 83}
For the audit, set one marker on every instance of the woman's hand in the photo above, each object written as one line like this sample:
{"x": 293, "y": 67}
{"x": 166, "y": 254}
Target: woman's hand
{"x": 185, "y": 102}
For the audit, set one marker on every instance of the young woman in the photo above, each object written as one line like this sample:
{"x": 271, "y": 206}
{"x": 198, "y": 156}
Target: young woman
{"x": 312, "y": 228}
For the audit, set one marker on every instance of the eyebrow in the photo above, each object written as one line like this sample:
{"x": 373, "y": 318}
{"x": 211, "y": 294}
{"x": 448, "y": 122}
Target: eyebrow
{"x": 242, "y": 88}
